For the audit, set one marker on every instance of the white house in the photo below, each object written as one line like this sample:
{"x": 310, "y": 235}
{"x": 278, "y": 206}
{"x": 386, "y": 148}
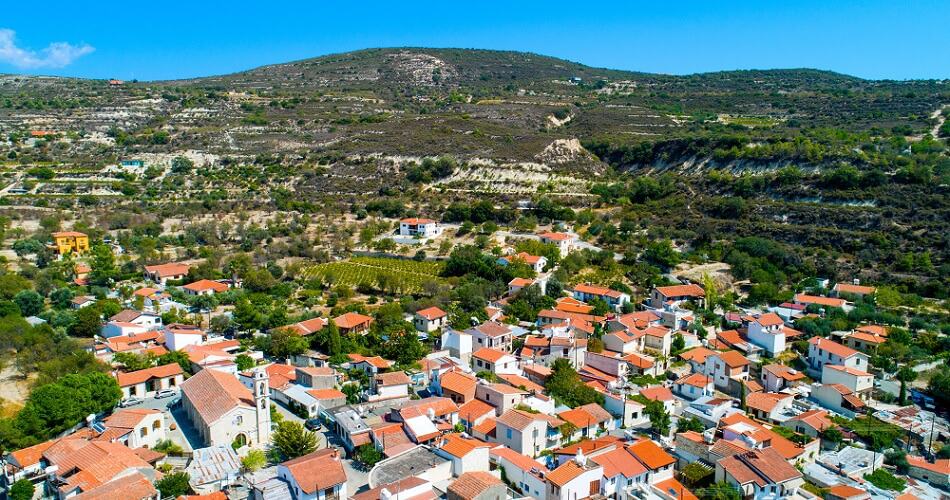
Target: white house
{"x": 614, "y": 299}
{"x": 430, "y": 319}
{"x": 563, "y": 241}
{"x": 467, "y": 454}
{"x": 145, "y": 383}
{"x": 180, "y": 336}
{"x": 776, "y": 377}
{"x": 224, "y": 412}
{"x": 694, "y": 386}
{"x": 390, "y": 385}
{"x": 122, "y": 329}
{"x": 422, "y": 228}
{"x": 727, "y": 369}
{"x": 575, "y": 479}
{"x": 316, "y": 476}
{"x": 495, "y": 361}
{"x": 537, "y": 262}
{"x": 459, "y": 344}
{"x": 527, "y": 433}
{"x": 136, "y": 427}
{"x": 858, "y": 381}
{"x": 524, "y": 472}
{"x": 666, "y": 297}
{"x": 822, "y": 351}
{"x": 161, "y": 273}
{"x": 768, "y": 332}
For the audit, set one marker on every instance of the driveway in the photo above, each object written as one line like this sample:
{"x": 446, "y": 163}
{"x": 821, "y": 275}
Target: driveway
{"x": 356, "y": 478}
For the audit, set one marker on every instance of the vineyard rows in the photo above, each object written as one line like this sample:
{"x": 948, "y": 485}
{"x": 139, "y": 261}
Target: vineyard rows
{"x": 393, "y": 275}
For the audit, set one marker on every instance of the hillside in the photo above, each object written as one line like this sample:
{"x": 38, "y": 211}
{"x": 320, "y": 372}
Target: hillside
{"x": 810, "y": 158}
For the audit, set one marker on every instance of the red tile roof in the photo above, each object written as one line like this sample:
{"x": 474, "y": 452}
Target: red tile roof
{"x": 657, "y": 393}
{"x": 832, "y": 347}
{"x": 459, "y": 446}
{"x": 213, "y": 393}
{"x": 821, "y": 301}
{"x": 470, "y": 485}
{"x": 690, "y": 290}
{"x": 139, "y": 376}
{"x": 597, "y": 290}
{"x": 520, "y": 461}
{"x": 317, "y": 471}
{"x": 489, "y": 354}
{"x": 416, "y": 221}
{"x": 770, "y": 319}
{"x": 565, "y": 473}
{"x": 733, "y": 359}
{"x": 205, "y": 285}
{"x": 431, "y": 313}
{"x": 134, "y": 486}
{"x": 650, "y": 454}
{"x": 765, "y": 401}
{"x": 168, "y": 270}
{"x": 352, "y": 320}
{"x": 761, "y": 466}
{"x": 458, "y": 382}
{"x": 392, "y": 378}
{"x": 556, "y": 236}
{"x": 854, "y": 289}
{"x": 619, "y": 462}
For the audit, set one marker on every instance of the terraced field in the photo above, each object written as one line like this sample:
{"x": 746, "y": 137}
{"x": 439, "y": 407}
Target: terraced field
{"x": 391, "y": 275}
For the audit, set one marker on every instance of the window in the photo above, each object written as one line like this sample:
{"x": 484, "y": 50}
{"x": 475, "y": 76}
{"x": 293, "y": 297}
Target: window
{"x": 508, "y": 433}
{"x": 143, "y": 431}
{"x": 156, "y": 425}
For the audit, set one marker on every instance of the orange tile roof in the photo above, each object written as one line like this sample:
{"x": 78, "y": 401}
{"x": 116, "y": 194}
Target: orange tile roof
{"x": 770, "y": 319}
{"x": 458, "y": 382}
{"x": 392, "y": 378}
{"x": 639, "y": 361}
{"x": 817, "y": 419}
{"x": 597, "y": 290}
{"x": 214, "y": 393}
{"x": 690, "y": 290}
{"x": 520, "y": 461}
{"x": 821, "y": 301}
{"x": 474, "y": 409}
{"x": 761, "y": 466}
{"x": 459, "y": 446}
{"x": 489, "y": 354}
{"x": 134, "y": 485}
{"x": 431, "y": 313}
{"x": 849, "y": 370}
{"x": 783, "y": 371}
{"x": 140, "y": 376}
{"x": 565, "y": 473}
{"x": 698, "y": 354}
{"x": 144, "y": 292}
{"x": 440, "y": 407}
{"x": 733, "y": 359}
{"x": 31, "y": 455}
{"x": 520, "y": 420}
{"x": 415, "y": 221}
{"x": 324, "y": 394}
{"x": 940, "y": 466}
{"x": 521, "y": 383}
{"x": 170, "y": 269}
{"x": 873, "y": 330}
{"x": 204, "y": 285}
{"x": 556, "y": 236}
{"x": 470, "y": 485}
{"x": 376, "y": 361}
{"x": 694, "y": 380}
{"x": 765, "y": 401}
{"x": 847, "y": 491}
{"x": 520, "y": 282}
{"x": 868, "y": 338}
{"x": 317, "y": 471}
{"x": 66, "y": 234}
{"x": 487, "y": 426}
{"x": 352, "y": 320}
{"x": 650, "y": 454}
{"x": 675, "y": 489}
{"x": 128, "y": 418}
{"x": 854, "y": 289}
{"x": 657, "y": 393}
{"x": 619, "y": 462}
{"x": 832, "y": 347}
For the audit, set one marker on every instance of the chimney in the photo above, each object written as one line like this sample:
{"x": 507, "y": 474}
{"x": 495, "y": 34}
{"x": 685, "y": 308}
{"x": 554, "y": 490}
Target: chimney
{"x": 579, "y": 458}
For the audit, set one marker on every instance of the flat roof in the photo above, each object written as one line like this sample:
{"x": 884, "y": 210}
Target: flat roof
{"x": 411, "y": 463}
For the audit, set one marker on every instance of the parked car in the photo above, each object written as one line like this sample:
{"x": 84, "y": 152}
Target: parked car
{"x": 165, "y": 393}
{"x": 125, "y": 403}
{"x": 313, "y": 424}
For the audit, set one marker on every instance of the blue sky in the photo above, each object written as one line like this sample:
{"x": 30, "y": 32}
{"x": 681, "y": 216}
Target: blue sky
{"x": 177, "y": 39}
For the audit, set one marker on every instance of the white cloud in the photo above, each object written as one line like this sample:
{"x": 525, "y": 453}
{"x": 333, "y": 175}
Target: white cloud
{"x": 55, "y": 55}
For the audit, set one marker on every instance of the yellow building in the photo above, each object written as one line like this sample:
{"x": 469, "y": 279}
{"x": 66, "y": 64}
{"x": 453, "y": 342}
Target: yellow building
{"x": 70, "y": 241}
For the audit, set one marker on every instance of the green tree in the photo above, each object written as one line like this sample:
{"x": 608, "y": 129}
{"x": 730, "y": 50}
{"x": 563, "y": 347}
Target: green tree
{"x": 566, "y": 387}
{"x": 244, "y": 362}
{"x": 179, "y": 357}
{"x": 283, "y": 343}
{"x": 174, "y": 485}
{"x": 334, "y": 341}
{"x": 22, "y": 490}
{"x": 905, "y": 375}
{"x": 29, "y": 302}
{"x": 368, "y": 455}
{"x": 104, "y": 271}
{"x": 660, "y": 420}
{"x": 690, "y": 424}
{"x": 719, "y": 491}
{"x": 253, "y": 461}
{"x": 292, "y": 440}
{"x": 678, "y": 345}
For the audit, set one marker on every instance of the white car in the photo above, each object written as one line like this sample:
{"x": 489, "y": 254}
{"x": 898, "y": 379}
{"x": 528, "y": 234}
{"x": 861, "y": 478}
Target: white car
{"x": 165, "y": 393}
{"x": 125, "y": 403}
